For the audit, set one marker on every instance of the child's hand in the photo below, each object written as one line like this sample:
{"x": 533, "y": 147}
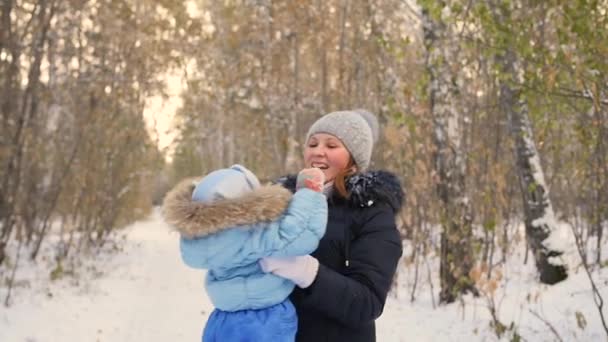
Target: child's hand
{"x": 312, "y": 178}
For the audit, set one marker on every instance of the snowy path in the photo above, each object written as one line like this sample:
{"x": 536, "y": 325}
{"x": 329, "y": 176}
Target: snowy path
{"x": 146, "y": 294}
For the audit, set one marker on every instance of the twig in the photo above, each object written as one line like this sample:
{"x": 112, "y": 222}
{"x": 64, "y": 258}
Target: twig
{"x": 559, "y": 338}
{"x": 416, "y": 272}
{"x": 412, "y": 11}
{"x": 13, "y": 273}
{"x": 585, "y": 292}
{"x": 597, "y": 296}
{"x": 428, "y": 270}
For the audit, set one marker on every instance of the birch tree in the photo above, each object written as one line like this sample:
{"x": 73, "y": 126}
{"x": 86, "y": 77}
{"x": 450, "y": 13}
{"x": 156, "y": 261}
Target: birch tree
{"x": 74, "y": 150}
{"x": 539, "y": 217}
{"x": 288, "y": 63}
{"x": 449, "y": 156}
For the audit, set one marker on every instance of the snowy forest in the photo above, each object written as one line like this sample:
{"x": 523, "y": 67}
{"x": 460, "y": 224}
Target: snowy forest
{"x": 493, "y": 113}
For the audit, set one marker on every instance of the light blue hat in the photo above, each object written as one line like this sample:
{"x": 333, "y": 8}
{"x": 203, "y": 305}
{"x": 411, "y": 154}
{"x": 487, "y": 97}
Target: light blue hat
{"x": 225, "y": 183}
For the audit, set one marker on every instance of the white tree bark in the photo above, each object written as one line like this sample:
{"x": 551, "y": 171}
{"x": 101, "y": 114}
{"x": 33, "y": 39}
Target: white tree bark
{"x": 541, "y": 227}
{"x": 291, "y": 155}
{"x": 450, "y": 164}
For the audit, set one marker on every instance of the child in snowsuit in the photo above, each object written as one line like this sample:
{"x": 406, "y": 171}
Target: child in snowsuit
{"x": 227, "y": 224}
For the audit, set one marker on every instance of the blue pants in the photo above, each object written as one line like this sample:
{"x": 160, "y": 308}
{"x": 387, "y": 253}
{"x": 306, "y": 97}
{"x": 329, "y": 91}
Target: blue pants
{"x": 276, "y": 323}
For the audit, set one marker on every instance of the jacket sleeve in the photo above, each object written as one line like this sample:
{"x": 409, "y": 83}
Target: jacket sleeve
{"x": 357, "y": 295}
{"x": 297, "y": 232}
{"x": 213, "y": 251}
{"x": 300, "y": 229}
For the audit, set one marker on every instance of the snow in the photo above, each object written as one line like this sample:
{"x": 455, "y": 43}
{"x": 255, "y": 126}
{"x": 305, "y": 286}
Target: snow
{"x": 558, "y": 237}
{"x": 139, "y": 290}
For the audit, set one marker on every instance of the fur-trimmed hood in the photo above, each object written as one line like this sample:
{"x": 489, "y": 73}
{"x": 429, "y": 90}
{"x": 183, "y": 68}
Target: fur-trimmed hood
{"x": 196, "y": 219}
{"x": 365, "y": 189}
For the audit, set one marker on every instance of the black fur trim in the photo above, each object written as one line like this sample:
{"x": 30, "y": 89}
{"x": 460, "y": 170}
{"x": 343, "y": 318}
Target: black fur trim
{"x": 365, "y": 189}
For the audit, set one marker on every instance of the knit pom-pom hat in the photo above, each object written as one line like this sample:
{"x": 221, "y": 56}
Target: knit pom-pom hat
{"x": 357, "y": 129}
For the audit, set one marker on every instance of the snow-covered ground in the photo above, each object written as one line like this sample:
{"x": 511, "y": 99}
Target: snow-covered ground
{"x": 145, "y": 293}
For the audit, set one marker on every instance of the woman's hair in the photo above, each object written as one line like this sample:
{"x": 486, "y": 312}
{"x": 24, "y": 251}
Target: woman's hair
{"x": 342, "y": 176}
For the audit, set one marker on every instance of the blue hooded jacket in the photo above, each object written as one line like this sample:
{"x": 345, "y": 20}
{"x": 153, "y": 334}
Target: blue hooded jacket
{"x": 229, "y": 236}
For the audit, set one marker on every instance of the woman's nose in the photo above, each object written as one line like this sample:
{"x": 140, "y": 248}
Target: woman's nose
{"x": 318, "y": 151}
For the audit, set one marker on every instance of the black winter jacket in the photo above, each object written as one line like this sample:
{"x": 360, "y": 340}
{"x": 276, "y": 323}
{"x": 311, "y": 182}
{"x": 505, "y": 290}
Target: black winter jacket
{"x": 358, "y": 257}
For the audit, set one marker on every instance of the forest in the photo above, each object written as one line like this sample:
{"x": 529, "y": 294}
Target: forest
{"x": 492, "y": 112}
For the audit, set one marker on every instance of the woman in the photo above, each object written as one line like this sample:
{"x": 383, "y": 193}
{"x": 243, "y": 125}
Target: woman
{"x": 351, "y": 271}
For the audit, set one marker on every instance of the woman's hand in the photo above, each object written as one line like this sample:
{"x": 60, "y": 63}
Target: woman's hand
{"x": 311, "y": 178}
{"x": 302, "y": 270}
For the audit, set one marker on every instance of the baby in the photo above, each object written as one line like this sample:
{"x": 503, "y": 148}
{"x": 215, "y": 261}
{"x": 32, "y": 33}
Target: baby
{"x": 228, "y": 222}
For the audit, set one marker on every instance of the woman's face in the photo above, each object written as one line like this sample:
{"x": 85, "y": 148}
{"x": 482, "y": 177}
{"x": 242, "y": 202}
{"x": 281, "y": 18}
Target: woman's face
{"x": 326, "y": 152}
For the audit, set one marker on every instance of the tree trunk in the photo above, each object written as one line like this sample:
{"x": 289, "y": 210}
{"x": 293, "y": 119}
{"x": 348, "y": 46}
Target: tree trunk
{"x": 291, "y": 159}
{"x": 321, "y": 41}
{"x": 24, "y": 118}
{"x": 52, "y": 199}
{"x": 450, "y": 164}
{"x": 601, "y": 191}
{"x": 342, "y": 45}
{"x": 539, "y": 217}
{"x": 8, "y": 110}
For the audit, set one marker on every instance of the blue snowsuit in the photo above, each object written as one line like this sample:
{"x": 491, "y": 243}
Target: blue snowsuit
{"x": 228, "y": 237}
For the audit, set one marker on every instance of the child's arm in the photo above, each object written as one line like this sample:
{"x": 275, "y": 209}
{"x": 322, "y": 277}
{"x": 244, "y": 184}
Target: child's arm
{"x": 298, "y": 232}
{"x": 295, "y": 233}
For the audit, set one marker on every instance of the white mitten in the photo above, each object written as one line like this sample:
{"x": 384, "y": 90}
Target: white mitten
{"x": 302, "y": 270}
{"x": 311, "y": 178}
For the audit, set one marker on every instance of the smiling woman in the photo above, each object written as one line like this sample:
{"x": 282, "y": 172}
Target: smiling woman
{"x": 350, "y": 273}
{"x": 326, "y": 152}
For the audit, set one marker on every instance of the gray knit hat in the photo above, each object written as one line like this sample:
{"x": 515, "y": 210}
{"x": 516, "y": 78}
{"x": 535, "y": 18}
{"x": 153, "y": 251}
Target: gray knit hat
{"x": 357, "y": 129}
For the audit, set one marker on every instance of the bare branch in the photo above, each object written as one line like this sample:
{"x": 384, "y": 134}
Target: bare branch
{"x": 548, "y": 324}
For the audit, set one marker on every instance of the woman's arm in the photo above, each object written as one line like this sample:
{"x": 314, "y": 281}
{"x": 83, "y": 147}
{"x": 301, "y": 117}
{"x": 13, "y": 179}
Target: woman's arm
{"x": 358, "y": 295}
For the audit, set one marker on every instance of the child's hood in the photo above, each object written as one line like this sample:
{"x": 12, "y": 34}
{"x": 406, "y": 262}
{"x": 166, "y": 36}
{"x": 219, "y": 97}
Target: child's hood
{"x": 197, "y": 219}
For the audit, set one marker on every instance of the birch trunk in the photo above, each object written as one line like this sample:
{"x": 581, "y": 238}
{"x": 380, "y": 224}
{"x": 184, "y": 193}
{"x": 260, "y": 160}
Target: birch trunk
{"x": 539, "y": 216}
{"x": 450, "y": 164}
{"x": 7, "y": 111}
{"x": 601, "y": 172}
{"x": 291, "y": 156}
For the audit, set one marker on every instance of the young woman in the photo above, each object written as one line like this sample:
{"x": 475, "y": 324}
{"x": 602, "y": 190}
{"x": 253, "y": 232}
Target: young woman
{"x": 351, "y": 271}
